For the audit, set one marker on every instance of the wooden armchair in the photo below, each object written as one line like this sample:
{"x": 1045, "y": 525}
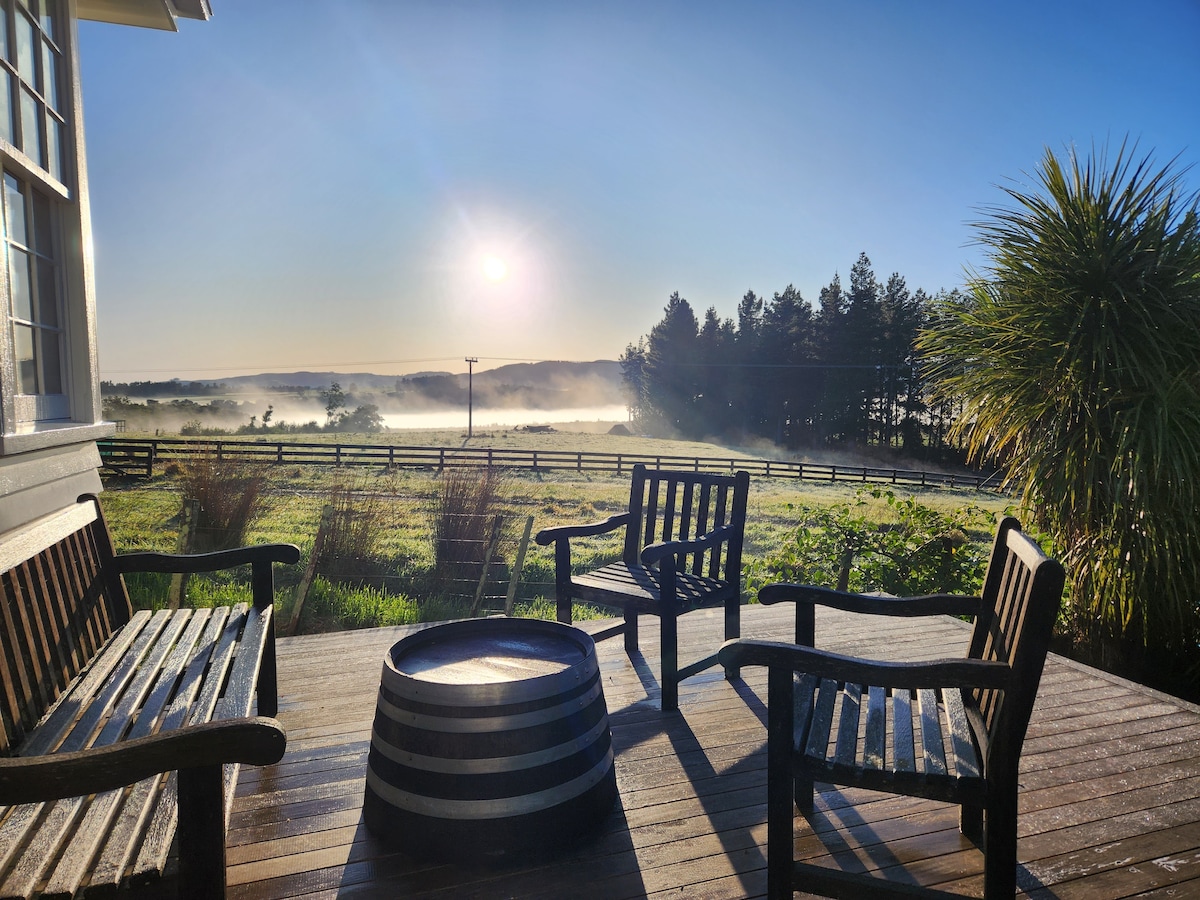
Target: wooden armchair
{"x": 971, "y": 714}
{"x": 683, "y": 551}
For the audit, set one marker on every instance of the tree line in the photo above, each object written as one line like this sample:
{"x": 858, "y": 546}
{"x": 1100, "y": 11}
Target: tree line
{"x": 845, "y": 373}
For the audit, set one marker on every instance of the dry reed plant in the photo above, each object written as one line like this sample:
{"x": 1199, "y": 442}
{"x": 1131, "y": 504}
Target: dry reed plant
{"x": 230, "y": 492}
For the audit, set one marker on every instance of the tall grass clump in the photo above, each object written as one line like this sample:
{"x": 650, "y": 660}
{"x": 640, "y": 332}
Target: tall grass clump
{"x": 1075, "y": 354}
{"x": 230, "y": 492}
{"x": 466, "y": 505}
{"x": 355, "y": 525}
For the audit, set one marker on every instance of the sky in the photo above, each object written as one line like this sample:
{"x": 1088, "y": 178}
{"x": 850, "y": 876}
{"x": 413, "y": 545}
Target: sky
{"x": 371, "y": 185}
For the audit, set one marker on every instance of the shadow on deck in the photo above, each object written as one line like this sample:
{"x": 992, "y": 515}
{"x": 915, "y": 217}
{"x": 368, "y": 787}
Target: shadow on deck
{"x": 1110, "y": 794}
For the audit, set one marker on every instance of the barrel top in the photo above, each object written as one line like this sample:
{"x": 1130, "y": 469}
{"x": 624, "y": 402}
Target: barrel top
{"x": 487, "y": 655}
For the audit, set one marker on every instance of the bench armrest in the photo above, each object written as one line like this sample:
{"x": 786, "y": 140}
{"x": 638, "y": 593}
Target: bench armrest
{"x": 180, "y": 563}
{"x": 260, "y": 558}
{"x": 925, "y": 605}
{"x": 938, "y": 673}
{"x": 258, "y": 741}
{"x": 655, "y": 552}
{"x": 550, "y": 535}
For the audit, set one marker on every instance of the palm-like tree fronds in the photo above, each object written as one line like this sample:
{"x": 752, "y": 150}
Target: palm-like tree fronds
{"x": 1077, "y": 357}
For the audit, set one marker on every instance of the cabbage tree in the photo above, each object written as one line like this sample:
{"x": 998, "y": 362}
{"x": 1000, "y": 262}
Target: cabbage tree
{"x": 1076, "y": 354}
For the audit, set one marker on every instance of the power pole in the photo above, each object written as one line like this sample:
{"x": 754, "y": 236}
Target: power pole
{"x": 470, "y": 361}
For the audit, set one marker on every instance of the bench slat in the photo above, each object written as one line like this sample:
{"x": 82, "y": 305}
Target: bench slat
{"x": 122, "y": 842}
{"x": 846, "y": 747}
{"x": 160, "y": 675}
{"x": 66, "y": 728}
{"x": 904, "y": 755}
{"x": 931, "y": 733}
{"x": 962, "y": 744}
{"x": 875, "y": 733}
{"x": 156, "y": 842}
{"x": 73, "y": 818}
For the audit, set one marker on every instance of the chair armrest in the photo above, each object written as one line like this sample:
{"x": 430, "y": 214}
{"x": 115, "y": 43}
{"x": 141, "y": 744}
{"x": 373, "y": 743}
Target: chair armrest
{"x": 258, "y": 741}
{"x": 652, "y": 553}
{"x": 938, "y": 673}
{"x": 180, "y": 563}
{"x": 550, "y": 535}
{"x": 925, "y": 605}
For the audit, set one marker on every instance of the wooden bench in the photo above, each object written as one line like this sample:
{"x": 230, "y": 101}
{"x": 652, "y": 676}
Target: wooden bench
{"x": 682, "y": 551}
{"x": 123, "y": 729}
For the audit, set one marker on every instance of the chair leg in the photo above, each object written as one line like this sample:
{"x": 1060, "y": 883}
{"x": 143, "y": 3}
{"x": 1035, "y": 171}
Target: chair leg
{"x": 970, "y": 822}
{"x": 1000, "y": 845}
{"x": 733, "y": 629}
{"x": 631, "y": 630}
{"x": 670, "y": 662}
{"x": 803, "y": 794}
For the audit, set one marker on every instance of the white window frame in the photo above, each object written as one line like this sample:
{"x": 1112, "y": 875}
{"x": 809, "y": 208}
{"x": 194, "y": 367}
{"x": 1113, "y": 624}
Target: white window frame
{"x": 38, "y": 421}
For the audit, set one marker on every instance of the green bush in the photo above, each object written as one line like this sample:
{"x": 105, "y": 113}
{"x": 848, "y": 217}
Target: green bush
{"x": 922, "y": 550}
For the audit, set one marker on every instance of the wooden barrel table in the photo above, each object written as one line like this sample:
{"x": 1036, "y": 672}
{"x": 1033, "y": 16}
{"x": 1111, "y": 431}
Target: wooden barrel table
{"x": 490, "y": 739}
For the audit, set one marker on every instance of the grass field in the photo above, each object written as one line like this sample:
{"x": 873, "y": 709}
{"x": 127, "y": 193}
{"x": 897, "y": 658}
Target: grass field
{"x": 394, "y": 586}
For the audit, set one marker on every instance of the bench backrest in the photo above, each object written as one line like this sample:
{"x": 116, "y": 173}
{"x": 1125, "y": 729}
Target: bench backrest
{"x": 1022, "y": 592}
{"x": 60, "y": 600}
{"x": 678, "y": 506}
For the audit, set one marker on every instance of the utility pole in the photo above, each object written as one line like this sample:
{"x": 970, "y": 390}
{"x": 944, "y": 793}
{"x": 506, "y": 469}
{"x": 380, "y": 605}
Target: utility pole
{"x": 470, "y": 361}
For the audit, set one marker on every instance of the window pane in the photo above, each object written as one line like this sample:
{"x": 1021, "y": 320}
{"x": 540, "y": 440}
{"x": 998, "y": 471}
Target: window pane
{"x": 4, "y": 49}
{"x": 7, "y": 130}
{"x": 48, "y": 347}
{"x": 19, "y": 287}
{"x": 26, "y": 364}
{"x": 54, "y": 150}
{"x": 14, "y": 210}
{"x": 47, "y": 294}
{"x": 31, "y": 136}
{"x": 48, "y": 20}
{"x": 50, "y": 75}
{"x": 26, "y": 61}
{"x": 43, "y": 232}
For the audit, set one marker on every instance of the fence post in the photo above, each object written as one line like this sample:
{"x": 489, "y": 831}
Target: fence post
{"x": 279, "y": 453}
{"x": 518, "y": 565}
{"x": 189, "y": 517}
{"x": 310, "y": 571}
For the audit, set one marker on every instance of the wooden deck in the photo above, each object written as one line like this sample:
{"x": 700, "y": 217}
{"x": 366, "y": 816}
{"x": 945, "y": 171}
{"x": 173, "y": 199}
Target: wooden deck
{"x": 1110, "y": 802}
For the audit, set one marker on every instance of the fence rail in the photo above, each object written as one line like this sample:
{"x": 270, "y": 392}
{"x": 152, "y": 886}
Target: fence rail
{"x": 139, "y": 456}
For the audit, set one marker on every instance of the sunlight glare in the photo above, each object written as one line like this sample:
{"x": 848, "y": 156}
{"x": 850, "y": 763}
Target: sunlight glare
{"x": 495, "y": 269}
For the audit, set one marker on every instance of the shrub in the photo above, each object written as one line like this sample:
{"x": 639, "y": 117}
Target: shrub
{"x": 357, "y": 522}
{"x": 923, "y": 551}
{"x": 230, "y": 492}
{"x": 466, "y": 506}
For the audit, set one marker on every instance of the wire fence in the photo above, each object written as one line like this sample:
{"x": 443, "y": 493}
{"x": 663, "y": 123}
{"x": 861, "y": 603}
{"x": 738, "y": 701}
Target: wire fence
{"x": 139, "y": 457}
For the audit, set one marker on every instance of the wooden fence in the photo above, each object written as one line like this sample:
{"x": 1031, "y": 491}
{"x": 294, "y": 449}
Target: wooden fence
{"x": 139, "y": 456}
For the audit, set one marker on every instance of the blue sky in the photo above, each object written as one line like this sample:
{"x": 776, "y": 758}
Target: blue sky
{"x": 311, "y": 185}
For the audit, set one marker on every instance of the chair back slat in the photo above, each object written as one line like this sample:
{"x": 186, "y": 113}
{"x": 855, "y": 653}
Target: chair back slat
{"x": 1022, "y": 594}
{"x": 58, "y": 606}
{"x": 681, "y": 506}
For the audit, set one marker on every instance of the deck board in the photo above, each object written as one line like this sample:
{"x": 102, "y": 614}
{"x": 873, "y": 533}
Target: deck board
{"x": 1110, "y": 794}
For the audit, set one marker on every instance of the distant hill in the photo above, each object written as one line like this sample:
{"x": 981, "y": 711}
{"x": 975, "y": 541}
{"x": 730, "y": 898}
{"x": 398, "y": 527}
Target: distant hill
{"x": 597, "y": 382}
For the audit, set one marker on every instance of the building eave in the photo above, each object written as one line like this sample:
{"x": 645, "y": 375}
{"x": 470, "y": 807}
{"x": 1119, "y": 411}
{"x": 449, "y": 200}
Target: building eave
{"x": 160, "y": 14}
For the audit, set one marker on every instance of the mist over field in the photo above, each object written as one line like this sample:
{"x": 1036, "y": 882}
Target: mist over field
{"x": 513, "y": 395}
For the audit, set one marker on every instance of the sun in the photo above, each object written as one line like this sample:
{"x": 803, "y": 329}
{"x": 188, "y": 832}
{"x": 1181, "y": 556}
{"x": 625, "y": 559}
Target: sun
{"x": 495, "y": 269}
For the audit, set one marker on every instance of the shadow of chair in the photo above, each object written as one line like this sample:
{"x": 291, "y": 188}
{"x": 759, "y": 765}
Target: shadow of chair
{"x": 949, "y": 730}
{"x": 682, "y": 551}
